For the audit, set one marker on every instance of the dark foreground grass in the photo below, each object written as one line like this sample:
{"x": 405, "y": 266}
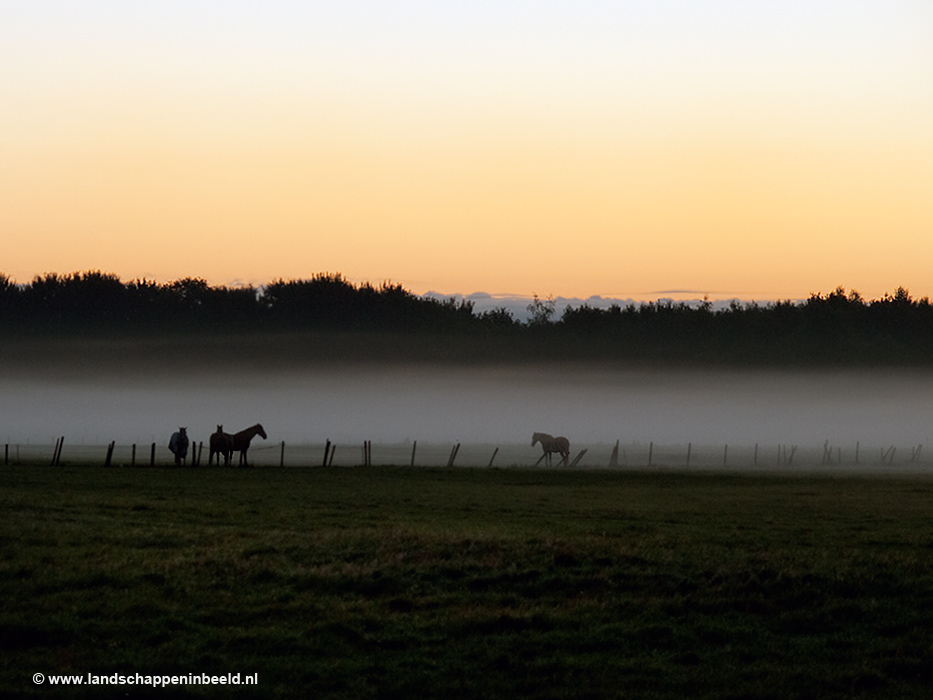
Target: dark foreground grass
{"x": 421, "y": 583}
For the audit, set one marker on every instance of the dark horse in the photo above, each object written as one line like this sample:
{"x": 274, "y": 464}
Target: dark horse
{"x": 178, "y": 444}
{"x": 242, "y": 438}
{"x": 221, "y": 444}
{"x": 549, "y": 444}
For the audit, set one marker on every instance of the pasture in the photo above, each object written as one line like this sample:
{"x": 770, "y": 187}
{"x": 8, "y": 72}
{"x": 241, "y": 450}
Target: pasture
{"x": 472, "y": 583}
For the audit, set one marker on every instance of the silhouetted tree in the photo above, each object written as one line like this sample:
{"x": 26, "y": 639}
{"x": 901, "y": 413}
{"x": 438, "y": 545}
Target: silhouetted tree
{"x": 838, "y": 327}
{"x": 541, "y": 310}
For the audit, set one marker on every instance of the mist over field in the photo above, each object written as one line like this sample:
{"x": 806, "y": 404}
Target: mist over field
{"x": 94, "y": 402}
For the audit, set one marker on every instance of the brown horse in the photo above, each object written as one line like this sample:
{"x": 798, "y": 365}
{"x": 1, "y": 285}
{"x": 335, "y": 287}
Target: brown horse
{"x": 241, "y": 441}
{"x": 221, "y": 444}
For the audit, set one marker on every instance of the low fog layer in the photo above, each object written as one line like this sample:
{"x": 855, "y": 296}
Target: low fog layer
{"x": 394, "y": 404}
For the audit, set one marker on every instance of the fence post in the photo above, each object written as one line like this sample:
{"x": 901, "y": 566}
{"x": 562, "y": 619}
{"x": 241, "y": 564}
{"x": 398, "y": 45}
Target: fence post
{"x": 494, "y": 453}
{"x": 453, "y": 455}
{"x": 689, "y": 450}
{"x": 6, "y": 454}
{"x": 133, "y": 456}
{"x": 414, "y": 446}
{"x": 725, "y": 455}
{"x": 282, "y": 455}
{"x": 577, "y": 458}
{"x": 889, "y": 454}
{"x": 367, "y": 453}
{"x": 614, "y": 457}
{"x": 109, "y": 453}
{"x": 152, "y": 456}
{"x": 650, "y": 452}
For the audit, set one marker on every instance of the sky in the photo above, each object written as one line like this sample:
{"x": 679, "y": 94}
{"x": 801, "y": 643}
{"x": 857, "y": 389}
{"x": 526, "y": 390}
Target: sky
{"x": 755, "y": 150}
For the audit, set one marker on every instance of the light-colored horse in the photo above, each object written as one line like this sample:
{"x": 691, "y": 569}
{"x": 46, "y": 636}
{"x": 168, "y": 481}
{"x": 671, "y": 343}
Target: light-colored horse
{"x": 178, "y": 444}
{"x": 221, "y": 444}
{"x": 241, "y": 441}
{"x": 550, "y": 444}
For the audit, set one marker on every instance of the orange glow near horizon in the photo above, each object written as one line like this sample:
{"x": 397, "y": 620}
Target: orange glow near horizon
{"x": 549, "y": 162}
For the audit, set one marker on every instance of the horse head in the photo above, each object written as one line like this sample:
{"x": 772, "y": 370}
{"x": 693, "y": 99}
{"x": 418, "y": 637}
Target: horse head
{"x": 260, "y": 430}
{"x": 220, "y": 429}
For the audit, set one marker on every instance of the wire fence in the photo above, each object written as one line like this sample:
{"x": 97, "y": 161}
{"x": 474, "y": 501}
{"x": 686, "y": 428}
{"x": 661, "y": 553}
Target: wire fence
{"x": 827, "y": 458}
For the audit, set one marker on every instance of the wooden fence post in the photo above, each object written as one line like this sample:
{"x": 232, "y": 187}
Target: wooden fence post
{"x": 326, "y": 452}
{"x": 650, "y": 452}
{"x": 578, "y": 458}
{"x": 453, "y": 455}
{"x": 282, "y": 455}
{"x": 133, "y": 456}
{"x": 109, "y": 453}
{"x": 614, "y": 457}
{"x": 414, "y": 446}
{"x": 725, "y": 456}
{"x": 827, "y": 453}
{"x": 689, "y": 450}
{"x": 57, "y": 454}
{"x": 494, "y": 453}
{"x": 152, "y": 456}
{"x": 6, "y": 454}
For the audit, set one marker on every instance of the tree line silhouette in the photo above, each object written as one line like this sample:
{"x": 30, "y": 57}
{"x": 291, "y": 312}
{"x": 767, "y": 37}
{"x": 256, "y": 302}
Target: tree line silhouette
{"x": 835, "y": 328}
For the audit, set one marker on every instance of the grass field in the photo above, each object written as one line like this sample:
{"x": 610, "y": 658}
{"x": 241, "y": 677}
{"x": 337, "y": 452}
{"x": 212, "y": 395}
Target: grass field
{"x": 467, "y": 583}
